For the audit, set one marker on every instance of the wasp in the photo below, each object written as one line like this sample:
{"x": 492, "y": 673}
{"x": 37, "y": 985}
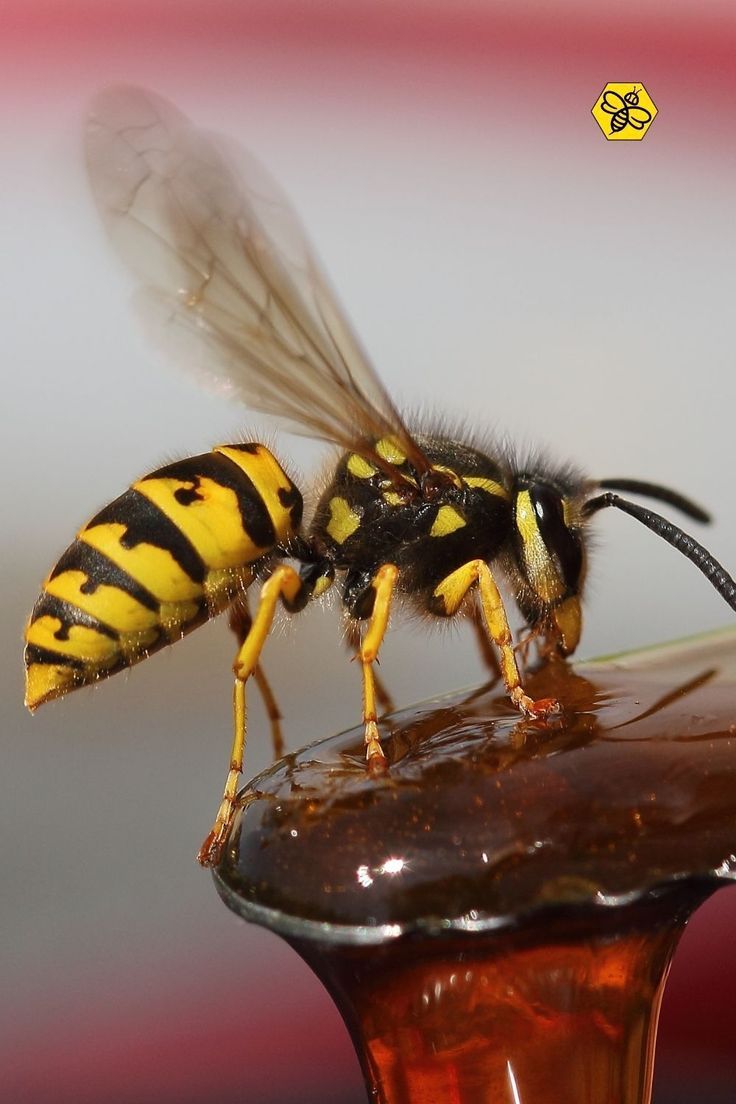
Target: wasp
{"x": 625, "y": 110}
{"x": 424, "y": 516}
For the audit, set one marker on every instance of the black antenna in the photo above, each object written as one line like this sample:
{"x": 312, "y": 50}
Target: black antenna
{"x": 663, "y": 494}
{"x": 716, "y": 575}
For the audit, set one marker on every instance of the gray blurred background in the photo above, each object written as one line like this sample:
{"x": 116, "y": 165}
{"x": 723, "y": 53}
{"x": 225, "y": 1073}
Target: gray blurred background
{"x": 501, "y": 262}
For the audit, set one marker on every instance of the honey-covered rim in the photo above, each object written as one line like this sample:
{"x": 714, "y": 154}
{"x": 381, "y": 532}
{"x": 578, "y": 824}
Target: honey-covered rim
{"x": 594, "y": 904}
{"x": 433, "y": 927}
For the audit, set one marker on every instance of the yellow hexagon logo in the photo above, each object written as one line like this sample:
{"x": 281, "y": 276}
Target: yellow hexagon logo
{"x": 624, "y": 111}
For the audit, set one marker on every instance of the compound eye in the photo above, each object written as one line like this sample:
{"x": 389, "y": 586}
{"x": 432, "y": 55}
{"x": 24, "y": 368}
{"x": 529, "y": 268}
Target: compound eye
{"x": 559, "y": 540}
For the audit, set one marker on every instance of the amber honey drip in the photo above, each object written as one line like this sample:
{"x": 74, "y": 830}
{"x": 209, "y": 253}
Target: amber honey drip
{"x": 570, "y": 1020}
{"x": 496, "y": 916}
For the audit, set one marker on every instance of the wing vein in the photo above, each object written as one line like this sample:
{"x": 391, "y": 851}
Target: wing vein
{"x": 230, "y": 283}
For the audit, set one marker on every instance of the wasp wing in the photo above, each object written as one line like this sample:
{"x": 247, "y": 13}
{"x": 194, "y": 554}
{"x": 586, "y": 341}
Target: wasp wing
{"x": 230, "y": 278}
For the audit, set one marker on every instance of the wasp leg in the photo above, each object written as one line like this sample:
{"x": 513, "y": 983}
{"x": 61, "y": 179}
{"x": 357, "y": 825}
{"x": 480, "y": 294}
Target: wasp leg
{"x": 487, "y": 651}
{"x": 286, "y": 585}
{"x": 382, "y": 585}
{"x": 383, "y": 696}
{"x": 448, "y": 597}
{"x": 272, "y": 711}
{"x": 240, "y": 622}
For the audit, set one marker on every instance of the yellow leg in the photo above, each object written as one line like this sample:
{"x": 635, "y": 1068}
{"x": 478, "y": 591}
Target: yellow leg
{"x": 211, "y": 849}
{"x": 451, "y": 592}
{"x": 485, "y": 646}
{"x": 384, "y": 698}
{"x": 284, "y": 583}
{"x": 241, "y": 623}
{"x": 383, "y": 583}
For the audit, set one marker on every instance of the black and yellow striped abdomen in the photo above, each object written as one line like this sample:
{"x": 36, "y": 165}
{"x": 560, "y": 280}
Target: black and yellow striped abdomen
{"x": 169, "y": 553}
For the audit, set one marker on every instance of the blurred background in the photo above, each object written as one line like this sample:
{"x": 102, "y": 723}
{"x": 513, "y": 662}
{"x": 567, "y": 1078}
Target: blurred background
{"x": 502, "y": 262}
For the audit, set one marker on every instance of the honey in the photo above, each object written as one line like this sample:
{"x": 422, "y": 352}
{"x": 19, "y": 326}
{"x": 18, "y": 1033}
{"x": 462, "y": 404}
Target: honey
{"x": 495, "y": 915}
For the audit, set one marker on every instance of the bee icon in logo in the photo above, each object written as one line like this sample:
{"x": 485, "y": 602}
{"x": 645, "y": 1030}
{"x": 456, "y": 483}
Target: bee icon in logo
{"x": 625, "y": 110}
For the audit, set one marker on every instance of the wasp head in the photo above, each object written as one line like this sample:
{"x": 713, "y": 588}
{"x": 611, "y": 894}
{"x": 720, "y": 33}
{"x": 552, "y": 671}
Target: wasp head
{"x": 548, "y": 553}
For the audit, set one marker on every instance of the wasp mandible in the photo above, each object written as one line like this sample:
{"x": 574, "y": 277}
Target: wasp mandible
{"x": 420, "y": 514}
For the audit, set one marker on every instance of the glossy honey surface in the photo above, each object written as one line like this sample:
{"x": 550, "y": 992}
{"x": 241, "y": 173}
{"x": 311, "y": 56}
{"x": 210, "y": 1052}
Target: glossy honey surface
{"x": 484, "y": 817}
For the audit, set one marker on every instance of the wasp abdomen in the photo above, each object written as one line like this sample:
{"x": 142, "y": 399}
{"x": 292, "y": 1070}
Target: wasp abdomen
{"x": 170, "y": 552}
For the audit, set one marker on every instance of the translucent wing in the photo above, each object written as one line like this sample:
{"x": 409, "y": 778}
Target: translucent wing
{"x": 230, "y": 279}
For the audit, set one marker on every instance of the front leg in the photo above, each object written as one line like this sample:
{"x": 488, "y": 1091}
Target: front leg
{"x": 485, "y": 647}
{"x": 373, "y": 602}
{"x": 447, "y": 598}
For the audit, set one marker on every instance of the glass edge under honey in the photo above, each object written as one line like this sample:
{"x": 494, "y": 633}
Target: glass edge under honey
{"x": 595, "y": 913}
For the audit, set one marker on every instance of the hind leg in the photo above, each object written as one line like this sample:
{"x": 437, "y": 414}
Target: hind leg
{"x": 240, "y": 622}
{"x": 283, "y": 584}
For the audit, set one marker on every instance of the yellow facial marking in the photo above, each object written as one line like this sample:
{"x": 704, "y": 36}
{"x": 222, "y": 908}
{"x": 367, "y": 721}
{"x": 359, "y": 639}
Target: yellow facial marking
{"x": 108, "y": 604}
{"x": 485, "y": 484}
{"x": 343, "y": 520}
{"x": 392, "y": 498}
{"x": 448, "y": 520}
{"x": 360, "y": 468}
{"x": 154, "y": 568}
{"x": 388, "y": 448}
{"x": 539, "y": 565}
{"x": 526, "y": 520}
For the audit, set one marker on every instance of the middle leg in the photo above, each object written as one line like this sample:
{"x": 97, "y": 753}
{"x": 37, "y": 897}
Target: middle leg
{"x": 383, "y": 695}
{"x": 376, "y": 598}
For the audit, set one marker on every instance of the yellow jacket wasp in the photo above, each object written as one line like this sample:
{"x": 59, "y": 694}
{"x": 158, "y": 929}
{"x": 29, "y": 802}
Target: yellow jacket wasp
{"x": 433, "y": 519}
